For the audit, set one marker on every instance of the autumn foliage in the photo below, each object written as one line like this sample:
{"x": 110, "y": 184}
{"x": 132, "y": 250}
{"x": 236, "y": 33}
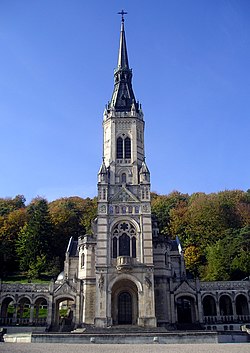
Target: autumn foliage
{"x": 214, "y": 230}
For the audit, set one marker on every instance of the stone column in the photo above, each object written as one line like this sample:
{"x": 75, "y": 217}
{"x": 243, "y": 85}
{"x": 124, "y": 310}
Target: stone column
{"x": 234, "y": 310}
{"x": 50, "y": 310}
{"x": 15, "y": 313}
{"x": 173, "y": 309}
{"x": 31, "y": 314}
{"x": 77, "y": 312}
{"x": 200, "y": 309}
{"x": 217, "y": 309}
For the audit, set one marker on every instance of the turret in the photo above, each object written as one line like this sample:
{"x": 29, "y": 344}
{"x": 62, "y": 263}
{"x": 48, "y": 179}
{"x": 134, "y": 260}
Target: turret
{"x": 103, "y": 173}
{"x": 144, "y": 173}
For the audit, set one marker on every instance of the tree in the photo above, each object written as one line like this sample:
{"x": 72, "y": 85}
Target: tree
{"x": 35, "y": 241}
{"x": 229, "y": 258}
{"x": 162, "y": 205}
{"x": 71, "y": 217}
{"x": 8, "y": 205}
{"x": 193, "y": 259}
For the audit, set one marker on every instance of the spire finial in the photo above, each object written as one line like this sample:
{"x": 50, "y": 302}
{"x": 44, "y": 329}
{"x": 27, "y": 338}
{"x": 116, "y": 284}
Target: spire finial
{"x": 122, "y": 13}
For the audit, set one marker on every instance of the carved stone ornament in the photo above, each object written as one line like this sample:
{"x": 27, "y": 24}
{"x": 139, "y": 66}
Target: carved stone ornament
{"x": 102, "y": 209}
{"x": 65, "y": 288}
{"x": 148, "y": 282}
{"x": 101, "y": 282}
{"x": 185, "y": 288}
{"x": 145, "y": 208}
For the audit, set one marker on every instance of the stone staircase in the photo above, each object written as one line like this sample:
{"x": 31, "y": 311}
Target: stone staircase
{"x": 119, "y": 330}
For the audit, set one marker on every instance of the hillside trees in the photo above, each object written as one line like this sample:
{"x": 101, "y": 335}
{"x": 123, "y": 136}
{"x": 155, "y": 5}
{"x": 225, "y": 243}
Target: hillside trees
{"x": 35, "y": 244}
{"x": 12, "y": 219}
{"x": 208, "y": 224}
{"x": 214, "y": 230}
{"x": 71, "y": 217}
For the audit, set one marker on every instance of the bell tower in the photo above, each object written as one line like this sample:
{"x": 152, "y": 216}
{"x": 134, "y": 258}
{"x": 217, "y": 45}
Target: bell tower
{"x": 124, "y": 253}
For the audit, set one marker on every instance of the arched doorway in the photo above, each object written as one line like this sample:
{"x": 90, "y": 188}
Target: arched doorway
{"x": 209, "y": 306}
{"x": 185, "y": 310}
{"x": 64, "y": 313}
{"x": 124, "y": 308}
{"x": 124, "y": 303}
{"x": 40, "y": 311}
{"x": 23, "y": 311}
{"x": 241, "y": 305}
{"x": 8, "y": 309}
{"x": 225, "y": 305}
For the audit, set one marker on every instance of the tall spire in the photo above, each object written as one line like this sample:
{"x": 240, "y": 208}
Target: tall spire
{"x": 123, "y": 96}
{"x": 123, "y": 55}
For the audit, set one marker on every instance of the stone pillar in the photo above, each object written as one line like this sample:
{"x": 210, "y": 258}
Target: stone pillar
{"x": 217, "y": 309}
{"x": 200, "y": 309}
{"x": 77, "y": 311}
{"x": 15, "y": 313}
{"x": 31, "y": 319}
{"x": 50, "y": 310}
{"x": 234, "y": 310}
{"x": 248, "y": 302}
{"x": 173, "y": 309}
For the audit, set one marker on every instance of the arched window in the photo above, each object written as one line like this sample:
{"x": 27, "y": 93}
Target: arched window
{"x": 209, "y": 306}
{"x": 225, "y": 305}
{"x": 241, "y": 305}
{"x": 134, "y": 247}
{"x": 124, "y": 245}
{"x": 119, "y": 148}
{"x": 124, "y": 240}
{"x": 82, "y": 260}
{"x": 127, "y": 147}
{"x": 124, "y": 178}
{"x": 114, "y": 248}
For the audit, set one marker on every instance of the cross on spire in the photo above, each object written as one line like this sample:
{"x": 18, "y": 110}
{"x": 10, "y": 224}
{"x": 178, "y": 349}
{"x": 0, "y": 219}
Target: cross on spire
{"x": 122, "y": 13}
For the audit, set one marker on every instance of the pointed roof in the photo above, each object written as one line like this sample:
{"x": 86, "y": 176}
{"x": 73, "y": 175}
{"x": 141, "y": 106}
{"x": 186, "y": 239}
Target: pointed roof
{"x": 103, "y": 169}
{"x": 123, "y": 96}
{"x": 123, "y": 55}
{"x": 144, "y": 168}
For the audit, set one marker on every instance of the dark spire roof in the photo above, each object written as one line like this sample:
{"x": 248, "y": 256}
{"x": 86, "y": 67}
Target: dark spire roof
{"x": 123, "y": 55}
{"x": 123, "y": 96}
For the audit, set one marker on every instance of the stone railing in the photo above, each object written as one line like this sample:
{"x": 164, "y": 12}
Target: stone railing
{"x": 29, "y": 287}
{"x": 9, "y": 321}
{"x": 221, "y": 319}
{"x": 124, "y": 263}
{"x": 227, "y": 285}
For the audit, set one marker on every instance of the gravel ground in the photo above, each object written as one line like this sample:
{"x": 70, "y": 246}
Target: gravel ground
{"x": 123, "y": 348}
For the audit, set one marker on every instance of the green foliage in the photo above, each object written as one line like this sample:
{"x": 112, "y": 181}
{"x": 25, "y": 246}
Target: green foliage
{"x": 214, "y": 230}
{"x": 71, "y": 217}
{"x": 162, "y": 206}
{"x": 229, "y": 258}
{"x": 34, "y": 245}
{"x": 203, "y": 223}
{"x": 8, "y": 205}
{"x": 10, "y": 225}
{"x": 193, "y": 259}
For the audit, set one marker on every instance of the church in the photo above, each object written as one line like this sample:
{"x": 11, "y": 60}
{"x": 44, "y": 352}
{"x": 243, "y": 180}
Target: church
{"x": 126, "y": 273}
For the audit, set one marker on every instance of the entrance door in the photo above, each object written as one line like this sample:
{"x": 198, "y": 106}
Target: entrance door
{"x": 184, "y": 310}
{"x": 124, "y": 309}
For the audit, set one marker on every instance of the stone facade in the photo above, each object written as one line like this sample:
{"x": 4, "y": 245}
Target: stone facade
{"x": 126, "y": 273}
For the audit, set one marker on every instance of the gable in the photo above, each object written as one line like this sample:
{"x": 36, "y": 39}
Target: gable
{"x": 124, "y": 195}
{"x": 65, "y": 288}
{"x": 185, "y": 287}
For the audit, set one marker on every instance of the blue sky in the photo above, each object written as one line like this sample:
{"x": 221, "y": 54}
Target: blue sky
{"x": 190, "y": 61}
